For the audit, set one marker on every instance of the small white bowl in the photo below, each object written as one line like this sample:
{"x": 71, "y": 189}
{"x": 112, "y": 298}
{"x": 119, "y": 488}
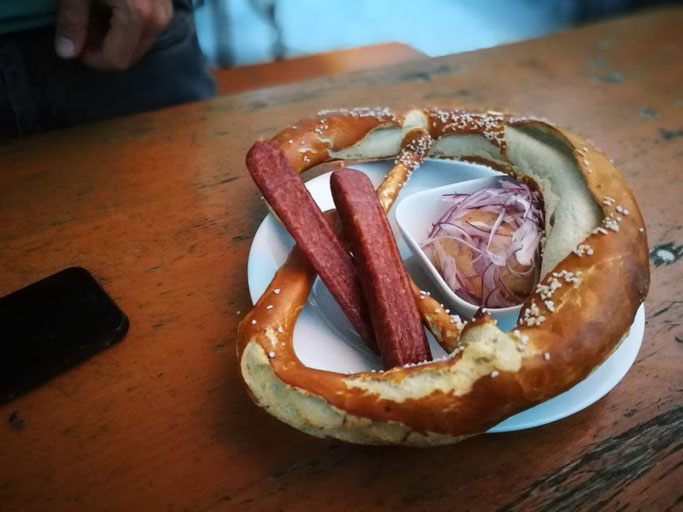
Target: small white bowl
{"x": 415, "y": 216}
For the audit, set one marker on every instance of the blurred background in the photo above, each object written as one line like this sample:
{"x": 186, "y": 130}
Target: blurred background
{"x": 248, "y": 44}
{"x": 241, "y": 32}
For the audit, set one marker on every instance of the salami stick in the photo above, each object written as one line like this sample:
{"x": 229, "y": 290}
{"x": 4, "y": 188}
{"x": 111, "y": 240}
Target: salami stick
{"x": 287, "y": 195}
{"x": 384, "y": 280}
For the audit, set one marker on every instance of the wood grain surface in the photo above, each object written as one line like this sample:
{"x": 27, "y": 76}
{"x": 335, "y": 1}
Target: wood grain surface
{"x": 160, "y": 208}
{"x": 297, "y": 69}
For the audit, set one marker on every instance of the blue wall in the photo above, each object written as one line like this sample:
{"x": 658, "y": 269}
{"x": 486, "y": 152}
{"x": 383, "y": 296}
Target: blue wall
{"x": 238, "y": 32}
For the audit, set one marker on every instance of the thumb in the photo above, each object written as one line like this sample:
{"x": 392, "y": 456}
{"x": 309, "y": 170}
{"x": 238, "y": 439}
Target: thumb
{"x": 72, "y": 27}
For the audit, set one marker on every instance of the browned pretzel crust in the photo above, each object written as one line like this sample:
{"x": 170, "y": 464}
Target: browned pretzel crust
{"x": 596, "y": 275}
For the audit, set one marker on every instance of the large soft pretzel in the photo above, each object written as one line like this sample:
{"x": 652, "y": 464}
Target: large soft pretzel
{"x": 595, "y": 268}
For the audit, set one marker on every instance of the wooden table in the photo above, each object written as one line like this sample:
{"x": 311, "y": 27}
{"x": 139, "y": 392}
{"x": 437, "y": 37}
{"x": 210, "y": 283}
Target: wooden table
{"x": 297, "y": 69}
{"x": 160, "y": 208}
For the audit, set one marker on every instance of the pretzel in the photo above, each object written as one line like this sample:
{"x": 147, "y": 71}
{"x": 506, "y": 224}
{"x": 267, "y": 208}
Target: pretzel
{"x": 595, "y": 268}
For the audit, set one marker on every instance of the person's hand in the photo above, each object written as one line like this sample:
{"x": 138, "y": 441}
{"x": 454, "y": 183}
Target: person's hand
{"x": 109, "y": 34}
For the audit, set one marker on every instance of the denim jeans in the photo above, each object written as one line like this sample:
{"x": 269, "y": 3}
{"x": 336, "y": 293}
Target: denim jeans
{"x": 39, "y": 91}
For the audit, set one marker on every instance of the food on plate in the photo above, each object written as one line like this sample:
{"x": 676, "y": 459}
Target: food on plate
{"x": 487, "y": 244}
{"x": 384, "y": 280}
{"x": 289, "y": 198}
{"x": 594, "y": 275}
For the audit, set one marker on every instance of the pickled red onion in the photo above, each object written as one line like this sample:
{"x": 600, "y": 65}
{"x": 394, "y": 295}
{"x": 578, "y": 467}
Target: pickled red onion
{"x": 493, "y": 251}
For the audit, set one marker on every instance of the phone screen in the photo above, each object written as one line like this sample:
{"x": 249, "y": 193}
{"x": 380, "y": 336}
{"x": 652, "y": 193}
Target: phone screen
{"x": 52, "y": 325}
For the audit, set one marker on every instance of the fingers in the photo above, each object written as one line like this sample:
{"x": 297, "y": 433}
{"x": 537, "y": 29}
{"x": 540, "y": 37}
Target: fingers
{"x": 157, "y": 22}
{"x": 133, "y": 27}
{"x": 119, "y": 43}
{"x": 72, "y": 27}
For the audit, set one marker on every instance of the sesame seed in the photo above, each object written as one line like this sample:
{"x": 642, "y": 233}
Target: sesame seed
{"x": 276, "y": 291}
{"x": 625, "y": 211}
{"x": 280, "y": 329}
{"x": 642, "y": 230}
{"x": 238, "y": 312}
{"x": 437, "y": 310}
{"x": 253, "y": 322}
{"x": 271, "y": 354}
{"x": 546, "y": 356}
{"x": 269, "y": 306}
{"x": 585, "y": 162}
{"x": 422, "y": 297}
{"x": 494, "y": 374}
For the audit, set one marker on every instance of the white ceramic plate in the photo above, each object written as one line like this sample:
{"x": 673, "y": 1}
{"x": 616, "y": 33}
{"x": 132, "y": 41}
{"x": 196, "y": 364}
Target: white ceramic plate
{"x": 324, "y": 339}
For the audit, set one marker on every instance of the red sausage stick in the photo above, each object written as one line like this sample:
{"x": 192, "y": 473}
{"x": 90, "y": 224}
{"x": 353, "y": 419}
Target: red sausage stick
{"x": 287, "y": 195}
{"x": 384, "y": 280}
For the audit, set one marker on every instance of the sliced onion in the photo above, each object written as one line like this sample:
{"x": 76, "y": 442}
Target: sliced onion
{"x": 516, "y": 253}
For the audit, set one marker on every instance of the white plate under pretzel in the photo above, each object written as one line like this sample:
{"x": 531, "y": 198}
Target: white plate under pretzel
{"x": 324, "y": 339}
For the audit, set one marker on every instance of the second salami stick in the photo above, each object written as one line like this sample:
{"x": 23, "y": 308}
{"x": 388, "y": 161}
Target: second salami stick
{"x": 384, "y": 280}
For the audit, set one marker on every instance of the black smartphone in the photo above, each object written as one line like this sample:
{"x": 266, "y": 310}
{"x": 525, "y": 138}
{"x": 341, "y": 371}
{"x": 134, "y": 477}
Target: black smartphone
{"x": 52, "y": 325}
